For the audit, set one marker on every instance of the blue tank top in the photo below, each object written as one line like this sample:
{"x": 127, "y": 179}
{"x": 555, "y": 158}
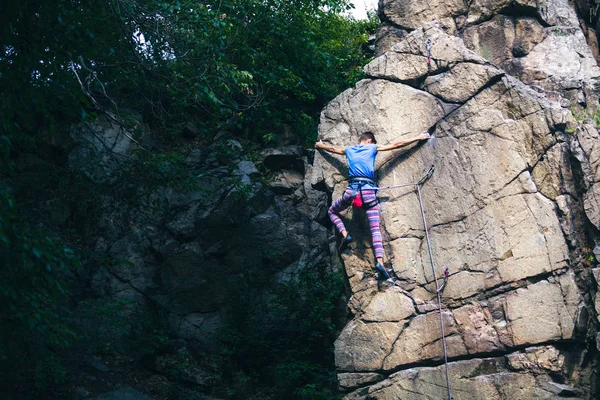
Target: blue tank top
{"x": 361, "y": 161}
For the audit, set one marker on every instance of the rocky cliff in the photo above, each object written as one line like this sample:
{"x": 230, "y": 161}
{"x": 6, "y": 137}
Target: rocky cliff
{"x": 509, "y": 91}
{"x": 510, "y": 96}
{"x": 211, "y": 256}
{"x": 183, "y": 250}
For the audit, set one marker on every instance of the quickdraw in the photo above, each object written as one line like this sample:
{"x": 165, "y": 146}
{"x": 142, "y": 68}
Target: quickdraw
{"x": 443, "y": 285}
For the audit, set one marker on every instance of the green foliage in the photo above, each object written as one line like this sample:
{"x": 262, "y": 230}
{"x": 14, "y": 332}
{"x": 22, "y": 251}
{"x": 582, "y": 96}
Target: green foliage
{"x": 151, "y": 171}
{"x": 246, "y": 66}
{"x": 581, "y": 114}
{"x": 280, "y": 340}
{"x": 103, "y": 324}
{"x": 249, "y": 66}
{"x": 42, "y": 43}
{"x": 35, "y": 298}
{"x": 32, "y": 279}
{"x": 113, "y": 326}
{"x": 50, "y": 375}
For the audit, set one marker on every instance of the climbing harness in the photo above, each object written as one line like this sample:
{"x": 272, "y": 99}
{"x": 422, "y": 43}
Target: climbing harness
{"x": 358, "y": 201}
{"x": 428, "y": 44}
{"x": 438, "y": 287}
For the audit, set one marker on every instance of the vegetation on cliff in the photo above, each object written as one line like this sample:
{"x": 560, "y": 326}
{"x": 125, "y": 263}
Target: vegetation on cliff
{"x": 189, "y": 70}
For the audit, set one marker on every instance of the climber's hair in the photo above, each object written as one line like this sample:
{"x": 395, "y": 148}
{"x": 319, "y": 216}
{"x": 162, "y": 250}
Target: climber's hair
{"x": 367, "y": 136}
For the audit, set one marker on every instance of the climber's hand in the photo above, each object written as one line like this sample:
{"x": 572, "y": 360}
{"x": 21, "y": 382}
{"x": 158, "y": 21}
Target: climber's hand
{"x": 425, "y": 135}
{"x": 331, "y": 149}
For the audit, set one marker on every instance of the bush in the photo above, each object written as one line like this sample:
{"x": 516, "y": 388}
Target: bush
{"x": 280, "y": 338}
{"x": 35, "y": 298}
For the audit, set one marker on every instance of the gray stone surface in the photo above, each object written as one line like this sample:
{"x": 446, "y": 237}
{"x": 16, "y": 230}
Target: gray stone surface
{"x": 521, "y": 375}
{"x": 286, "y": 182}
{"x": 586, "y": 149}
{"x": 502, "y": 205}
{"x": 354, "y": 380}
{"x": 183, "y": 248}
{"x": 102, "y": 148}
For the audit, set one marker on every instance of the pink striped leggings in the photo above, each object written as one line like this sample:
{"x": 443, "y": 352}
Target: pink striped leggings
{"x": 372, "y": 214}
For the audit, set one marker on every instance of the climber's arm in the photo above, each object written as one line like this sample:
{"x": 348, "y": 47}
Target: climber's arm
{"x": 329, "y": 148}
{"x": 401, "y": 143}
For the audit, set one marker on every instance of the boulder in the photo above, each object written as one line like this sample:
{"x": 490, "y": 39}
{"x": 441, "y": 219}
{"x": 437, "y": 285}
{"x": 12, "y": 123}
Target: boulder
{"x": 187, "y": 258}
{"x": 285, "y": 157}
{"x": 585, "y": 147}
{"x": 246, "y": 170}
{"x": 469, "y": 77}
{"x": 349, "y": 380}
{"x": 387, "y": 36}
{"x": 286, "y": 182}
{"x": 407, "y": 60}
{"x": 411, "y": 15}
{"x": 103, "y": 147}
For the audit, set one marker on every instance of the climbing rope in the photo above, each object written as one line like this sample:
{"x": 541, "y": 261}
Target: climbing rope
{"x": 389, "y": 254}
{"x": 438, "y": 287}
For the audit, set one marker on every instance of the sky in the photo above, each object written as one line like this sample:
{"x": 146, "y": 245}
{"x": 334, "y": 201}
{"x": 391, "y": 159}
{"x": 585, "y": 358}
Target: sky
{"x": 361, "y": 7}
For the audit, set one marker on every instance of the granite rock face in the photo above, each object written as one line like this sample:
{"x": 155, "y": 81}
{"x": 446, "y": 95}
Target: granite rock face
{"x": 183, "y": 249}
{"x": 100, "y": 148}
{"x": 513, "y": 207}
{"x": 522, "y": 375}
{"x": 540, "y": 42}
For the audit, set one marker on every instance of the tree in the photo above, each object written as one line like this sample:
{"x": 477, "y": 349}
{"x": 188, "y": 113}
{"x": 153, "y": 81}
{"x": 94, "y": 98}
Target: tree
{"x": 247, "y": 66}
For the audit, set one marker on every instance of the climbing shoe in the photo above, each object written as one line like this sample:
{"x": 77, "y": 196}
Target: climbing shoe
{"x": 345, "y": 242}
{"x": 383, "y": 274}
{"x": 388, "y": 283}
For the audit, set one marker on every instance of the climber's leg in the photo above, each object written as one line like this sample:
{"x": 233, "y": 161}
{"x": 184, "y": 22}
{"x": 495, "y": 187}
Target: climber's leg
{"x": 337, "y": 207}
{"x": 373, "y": 216}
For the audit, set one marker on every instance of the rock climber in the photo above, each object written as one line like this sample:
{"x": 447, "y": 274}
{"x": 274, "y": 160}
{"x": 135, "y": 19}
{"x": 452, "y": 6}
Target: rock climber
{"x": 362, "y": 189}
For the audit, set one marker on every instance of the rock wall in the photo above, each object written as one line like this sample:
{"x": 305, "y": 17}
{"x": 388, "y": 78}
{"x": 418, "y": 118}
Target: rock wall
{"x": 182, "y": 250}
{"x": 510, "y": 95}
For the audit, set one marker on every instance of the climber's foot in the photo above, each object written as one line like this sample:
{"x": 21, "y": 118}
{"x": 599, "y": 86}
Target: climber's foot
{"x": 383, "y": 274}
{"x": 388, "y": 283}
{"x": 345, "y": 242}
